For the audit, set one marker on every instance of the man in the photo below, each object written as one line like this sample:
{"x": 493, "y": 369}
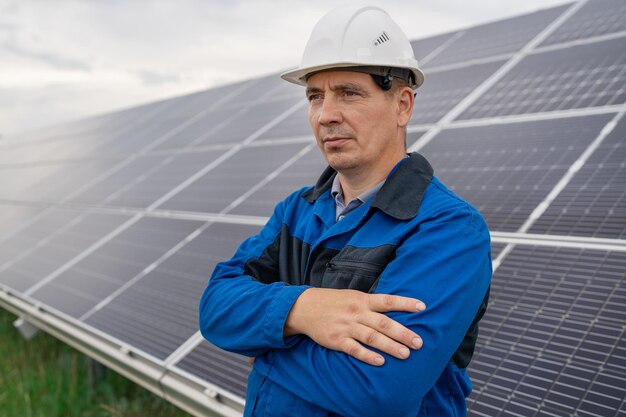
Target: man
{"x": 361, "y": 295}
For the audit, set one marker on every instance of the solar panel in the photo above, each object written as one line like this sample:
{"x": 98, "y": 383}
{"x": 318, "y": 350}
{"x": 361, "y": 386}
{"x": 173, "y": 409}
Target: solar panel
{"x": 12, "y": 216}
{"x": 425, "y": 48}
{"x": 216, "y": 190}
{"x": 114, "y": 223}
{"x": 221, "y": 368}
{"x": 496, "y": 248}
{"x": 594, "y": 202}
{"x": 553, "y": 341}
{"x": 141, "y": 182}
{"x": 506, "y": 170}
{"x": 497, "y": 38}
{"x": 574, "y": 77}
{"x": 52, "y": 241}
{"x": 159, "y": 311}
{"x": 304, "y": 170}
{"x": 595, "y": 18}
{"x": 445, "y": 89}
{"x": 296, "y": 126}
{"x": 252, "y": 119}
{"x": 89, "y": 279}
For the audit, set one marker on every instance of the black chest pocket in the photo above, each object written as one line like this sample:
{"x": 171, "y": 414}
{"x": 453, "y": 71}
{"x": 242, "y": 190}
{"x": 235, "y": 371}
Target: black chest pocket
{"x": 349, "y": 274}
{"x": 357, "y": 268}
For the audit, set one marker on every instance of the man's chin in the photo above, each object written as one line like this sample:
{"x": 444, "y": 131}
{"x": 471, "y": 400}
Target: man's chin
{"x": 339, "y": 163}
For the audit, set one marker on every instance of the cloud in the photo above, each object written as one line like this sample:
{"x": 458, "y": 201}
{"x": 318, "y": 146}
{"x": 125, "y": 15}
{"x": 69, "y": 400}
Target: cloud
{"x": 148, "y": 77}
{"x": 52, "y": 59}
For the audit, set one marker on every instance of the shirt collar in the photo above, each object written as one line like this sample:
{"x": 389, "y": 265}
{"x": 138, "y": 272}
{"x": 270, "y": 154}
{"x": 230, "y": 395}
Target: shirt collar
{"x": 337, "y": 192}
{"x": 401, "y": 194}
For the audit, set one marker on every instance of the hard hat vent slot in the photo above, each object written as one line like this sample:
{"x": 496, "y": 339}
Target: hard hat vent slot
{"x": 382, "y": 38}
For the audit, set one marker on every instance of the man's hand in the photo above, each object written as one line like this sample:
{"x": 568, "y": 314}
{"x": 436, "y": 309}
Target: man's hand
{"x": 345, "y": 320}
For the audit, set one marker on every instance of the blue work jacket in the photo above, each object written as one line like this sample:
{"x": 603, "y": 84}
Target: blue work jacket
{"x": 415, "y": 238}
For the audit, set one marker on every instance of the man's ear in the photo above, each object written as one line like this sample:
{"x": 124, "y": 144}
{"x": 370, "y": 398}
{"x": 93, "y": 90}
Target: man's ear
{"x": 406, "y": 101}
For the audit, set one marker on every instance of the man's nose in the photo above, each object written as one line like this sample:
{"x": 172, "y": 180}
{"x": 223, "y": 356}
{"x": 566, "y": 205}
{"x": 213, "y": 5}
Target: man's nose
{"x": 330, "y": 112}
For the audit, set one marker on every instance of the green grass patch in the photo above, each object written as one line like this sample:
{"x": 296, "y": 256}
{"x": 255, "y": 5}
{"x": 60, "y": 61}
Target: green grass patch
{"x": 44, "y": 377}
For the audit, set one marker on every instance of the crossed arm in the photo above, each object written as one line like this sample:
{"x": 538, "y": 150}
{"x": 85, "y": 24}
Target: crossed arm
{"x": 341, "y": 320}
{"x": 348, "y": 321}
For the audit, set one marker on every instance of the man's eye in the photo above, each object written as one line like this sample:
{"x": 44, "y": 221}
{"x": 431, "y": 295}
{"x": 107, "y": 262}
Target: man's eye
{"x": 349, "y": 93}
{"x": 314, "y": 97}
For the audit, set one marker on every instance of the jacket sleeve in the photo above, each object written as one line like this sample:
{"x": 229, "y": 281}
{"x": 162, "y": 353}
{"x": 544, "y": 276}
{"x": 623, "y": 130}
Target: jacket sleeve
{"x": 447, "y": 264}
{"x": 241, "y": 314}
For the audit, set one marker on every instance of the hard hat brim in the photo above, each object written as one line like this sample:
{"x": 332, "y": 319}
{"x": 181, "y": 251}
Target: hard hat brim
{"x": 299, "y": 75}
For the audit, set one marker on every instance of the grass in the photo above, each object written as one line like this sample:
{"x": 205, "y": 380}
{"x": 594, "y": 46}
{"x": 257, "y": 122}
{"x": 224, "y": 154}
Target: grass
{"x": 44, "y": 377}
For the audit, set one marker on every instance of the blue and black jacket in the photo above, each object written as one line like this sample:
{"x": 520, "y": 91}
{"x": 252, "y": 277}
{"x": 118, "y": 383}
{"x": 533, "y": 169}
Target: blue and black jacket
{"x": 415, "y": 238}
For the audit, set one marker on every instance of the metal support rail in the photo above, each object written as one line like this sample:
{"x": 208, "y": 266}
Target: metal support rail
{"x": 196, "y": 397}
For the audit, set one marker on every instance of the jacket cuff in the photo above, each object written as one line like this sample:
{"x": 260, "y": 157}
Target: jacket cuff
{"x": 276, "y": 316}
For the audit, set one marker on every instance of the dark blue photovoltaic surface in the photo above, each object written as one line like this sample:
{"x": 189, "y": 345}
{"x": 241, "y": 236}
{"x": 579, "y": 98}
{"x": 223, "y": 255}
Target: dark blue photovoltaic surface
{"x": 595, "y": 18}
{"x": 594, "y": 201}
{"x": 507, "y": 170}
{"x": 583, "y": 76}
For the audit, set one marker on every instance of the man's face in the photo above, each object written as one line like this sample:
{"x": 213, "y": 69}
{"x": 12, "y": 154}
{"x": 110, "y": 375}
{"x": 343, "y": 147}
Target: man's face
{"x": 354, "y": 121}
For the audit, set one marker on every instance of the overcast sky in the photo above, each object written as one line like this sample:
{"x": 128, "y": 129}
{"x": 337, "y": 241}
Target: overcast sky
{"x": 65, "y": 59}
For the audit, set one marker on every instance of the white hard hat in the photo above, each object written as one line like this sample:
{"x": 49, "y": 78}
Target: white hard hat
{"x": 356, "y": 36}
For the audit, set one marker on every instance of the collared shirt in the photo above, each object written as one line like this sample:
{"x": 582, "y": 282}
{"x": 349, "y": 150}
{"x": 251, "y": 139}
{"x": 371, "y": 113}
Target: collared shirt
{"x": 341, "y": 208}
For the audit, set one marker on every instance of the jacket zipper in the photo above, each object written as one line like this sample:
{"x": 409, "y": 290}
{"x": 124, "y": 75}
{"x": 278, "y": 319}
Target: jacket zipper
{"x": 363, "y": 265}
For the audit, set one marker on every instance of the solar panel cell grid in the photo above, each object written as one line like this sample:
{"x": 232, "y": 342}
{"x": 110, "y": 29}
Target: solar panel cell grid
{"x": 250, "y": 119}
{"x": 217, "y": 189}
{"x": 200, "y": 131}
{"x": 119, "y": 175}
{"x": 56, "y": 237}
{"x": 303, "y": 172}
{"x": 160, "y": 310}
{"x": 501, "y": 37}
{"x": 539, "y": 346}
{"x": 144, "y": 190}
{"x": 595, "y": 18}
{"x": 580, "y": 76}
{"x": 12, "y": 218}
{"x": 507, "y": 170}
{"x": 118, "y": 260}
{"x": 295, "y": 126}
{"x": 47, "y": 181}
{"x": 422, "y": 48}
{"x": 224, "y": 369}
{"x": 594, "y": 201}
{"x": 412, "y": 138}
{"x": 445, "y": 89}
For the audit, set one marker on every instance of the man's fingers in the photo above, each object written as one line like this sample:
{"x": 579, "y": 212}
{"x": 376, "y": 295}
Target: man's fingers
{"x": 373, "y": 338}
{"x": 356, "y": 350}
{"x": 392, "y": 330}
{"x": 385, "y": 303}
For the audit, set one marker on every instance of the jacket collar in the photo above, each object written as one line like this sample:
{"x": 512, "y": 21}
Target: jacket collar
{"x": 400, "y": 196}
